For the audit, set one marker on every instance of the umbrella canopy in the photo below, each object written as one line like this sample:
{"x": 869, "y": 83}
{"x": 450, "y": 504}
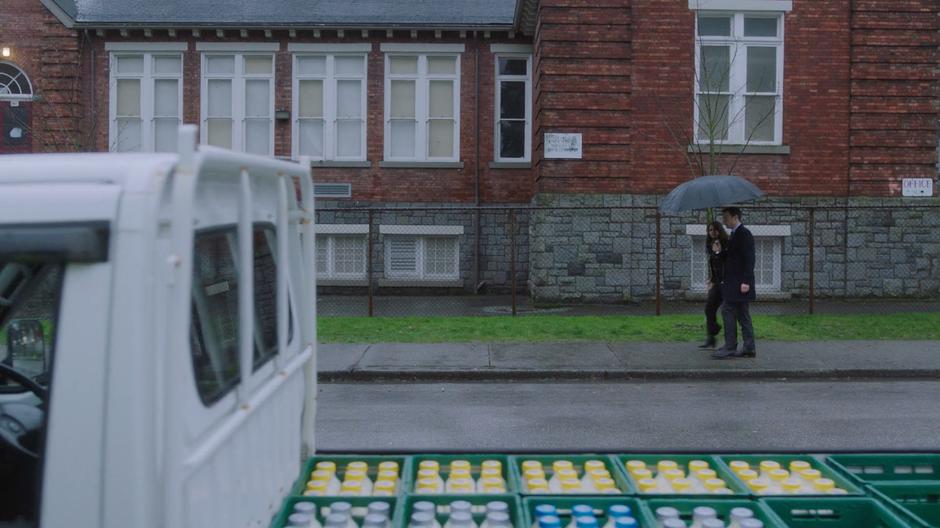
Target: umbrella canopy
{"x": 709, "y": 191}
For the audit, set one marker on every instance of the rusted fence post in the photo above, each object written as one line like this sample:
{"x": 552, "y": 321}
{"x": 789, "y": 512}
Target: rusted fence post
{"x": 512, "y": 257}
{"x": 812, "y": 261}
{"x": 659, "y": 270}
{"x": 369, "y": 266}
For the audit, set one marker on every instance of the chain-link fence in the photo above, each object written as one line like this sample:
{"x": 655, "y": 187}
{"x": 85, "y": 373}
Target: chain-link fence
{"x": 452, "y": 261}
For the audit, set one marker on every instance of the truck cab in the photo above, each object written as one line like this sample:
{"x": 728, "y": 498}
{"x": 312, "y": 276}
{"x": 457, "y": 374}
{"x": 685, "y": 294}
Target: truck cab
{"x": 157, "y": 337}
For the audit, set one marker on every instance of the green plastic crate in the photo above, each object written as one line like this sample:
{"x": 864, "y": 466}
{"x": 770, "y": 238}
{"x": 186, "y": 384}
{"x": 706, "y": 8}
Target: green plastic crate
{"x": 872, "y": 468}
{"x": 784, "y": 460}
{"x": 475, "y": 462}
{"x": 722, "y": 506}
{"x": 565, "y": 502}
{"x": 844, "y": 512}
{"x": 733, "y": 484}
{"x": 917, "y": 502}
{"x": 578, "y": 460}
{"x": 406, "y": 506}
{"x": 404, "y": 469}
{"x": 359, "y": 505}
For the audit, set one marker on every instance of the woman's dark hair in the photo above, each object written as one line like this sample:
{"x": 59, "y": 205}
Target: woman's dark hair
{"x": 720, "y": 229}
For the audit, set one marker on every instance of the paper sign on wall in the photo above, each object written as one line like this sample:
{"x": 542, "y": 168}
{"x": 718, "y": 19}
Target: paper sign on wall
{"x": 562, "y": 146}
{"x": 917, "y": 187}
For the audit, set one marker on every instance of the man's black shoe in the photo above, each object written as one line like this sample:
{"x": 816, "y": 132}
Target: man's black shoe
{"x": 749, "y": 353}
{"x": 726, "y": 353}
{"x": 710, "y": 342}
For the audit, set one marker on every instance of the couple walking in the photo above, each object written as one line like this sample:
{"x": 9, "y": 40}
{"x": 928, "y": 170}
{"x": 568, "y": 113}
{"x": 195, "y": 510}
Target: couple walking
{"x": 730, "y": 285}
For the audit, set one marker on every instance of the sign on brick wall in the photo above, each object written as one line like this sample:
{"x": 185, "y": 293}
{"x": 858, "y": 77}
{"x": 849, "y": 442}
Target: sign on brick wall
{"x": 917, "y": 187}
{"x": 562, "y": 146}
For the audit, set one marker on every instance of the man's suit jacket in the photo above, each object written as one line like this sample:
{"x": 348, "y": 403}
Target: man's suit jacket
{"x": 739, "y": 266}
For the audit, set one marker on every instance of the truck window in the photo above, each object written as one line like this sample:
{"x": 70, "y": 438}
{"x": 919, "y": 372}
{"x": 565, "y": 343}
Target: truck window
{"x": 215, "y": 328}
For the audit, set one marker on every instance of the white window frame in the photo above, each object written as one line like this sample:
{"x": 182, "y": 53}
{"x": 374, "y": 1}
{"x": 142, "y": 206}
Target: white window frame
{"x": 737, "y": 82}
{"x": 421, "y": 273}
{"x": 776, "y": 233}
{"x": 422, "y": 83}
{"x": 147, "y": 81}
{"x": 328, "y": 240}
{"x": 239, "y": 79}
{"x": 527, "y": 155}
{"x": 330, "y": 80}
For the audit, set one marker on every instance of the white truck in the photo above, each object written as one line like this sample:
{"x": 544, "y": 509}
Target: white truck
{"x": 157, "y": 337}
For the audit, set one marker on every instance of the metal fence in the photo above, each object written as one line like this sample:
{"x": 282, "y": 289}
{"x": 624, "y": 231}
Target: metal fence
{"x": 598, "y": 260}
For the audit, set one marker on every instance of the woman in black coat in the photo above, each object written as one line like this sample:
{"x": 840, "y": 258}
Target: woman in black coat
{"x": 715, "y": 233}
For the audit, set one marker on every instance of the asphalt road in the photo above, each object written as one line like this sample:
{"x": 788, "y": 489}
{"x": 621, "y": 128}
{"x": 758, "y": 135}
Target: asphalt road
{"x": 713, "y": 416}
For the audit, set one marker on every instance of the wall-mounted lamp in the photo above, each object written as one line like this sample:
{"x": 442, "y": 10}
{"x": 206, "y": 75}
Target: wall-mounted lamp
{"x": 5, "y": 51}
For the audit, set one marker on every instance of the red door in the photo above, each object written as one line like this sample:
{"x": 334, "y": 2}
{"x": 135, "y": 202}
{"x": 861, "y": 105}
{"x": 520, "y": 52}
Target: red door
{"x": 16, "y": 127}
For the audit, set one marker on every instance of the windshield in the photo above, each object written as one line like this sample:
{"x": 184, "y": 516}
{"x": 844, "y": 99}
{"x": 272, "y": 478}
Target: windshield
{"x": 29, "y": 298}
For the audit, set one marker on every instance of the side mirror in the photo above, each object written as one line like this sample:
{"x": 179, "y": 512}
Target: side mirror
{"x": 26, "y": 343}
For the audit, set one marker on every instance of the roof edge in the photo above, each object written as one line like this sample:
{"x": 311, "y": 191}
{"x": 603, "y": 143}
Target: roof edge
{"x": 59, "y": 12}
{"x": 526, "y": 12}
{"x": 287, "y": 25}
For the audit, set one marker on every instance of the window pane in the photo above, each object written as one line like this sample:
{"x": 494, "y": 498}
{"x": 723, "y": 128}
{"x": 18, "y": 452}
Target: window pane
{"x": 715, "y": 69}
{"x": 257, "y": 98}
{"x": 442, "y": 65}
{"x": 164, "y": 134}
{"x": 311, "y": 65}
{"x": 512, "y": 139}
{"x": 402, "y": 256}
{"x": 441, "y": 99}
{"x": 403, "y": 99}
{"x": 166, "y": 97}
{"x": 219, "y": 133}
{"x": 714, "y": 26}
{"x": 349, "y": 138}
{"x": 265, "y": 295}
{"x": 214, "y": 331}
{"x": 760, "y": 27}
{"x": 220, "y": 98}
{"x": 440, "y": 256}
{"x": 403, "y": 139}
{"x": 512, "y": 99}
{"x": 403, "y": 65}
{"x": 130, "y": 64}
{"x": 441, "y": 138}
{"x": 760, "y": 120}
{"x": 220, "y": 64}
{"x": 311, "y": 138}
{"x": 322, "y": 242}
{"x": 128, "y": 135}
{"x": 349, "y": 255}
{"x": 512, "y": 67}
{"x": 167, "y": 65}
{"x": 128, "y": 97}
{"x": 311, "y": 98}
{"x": 258, "y": 64}
{"x": 761, "y": 69}
{"x": 347, "y": 65}
{"x": 348, "y": 99}
{"x": 713, "y": 117}
{"x": 258, "y": 136}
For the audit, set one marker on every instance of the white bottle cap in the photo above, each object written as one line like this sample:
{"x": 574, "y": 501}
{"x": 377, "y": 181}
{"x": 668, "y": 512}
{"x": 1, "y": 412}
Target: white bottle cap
{"x": 752, "y": 523}
{"x": 673, "y": 522}
{"x": 667, "y": 512}
{"x": 703, "y": 513}
{"x": 497, "y": 506}
{"x": 299, "y": 519}
{"x": 379, "y": 508}
{"x": 336, "y": 520}
{"x": 341, "y": 507}
{"x": 461, "y": 519}
{"x": 739, "y": 514}
{"x": 460, "y": 506}
{"x": 374, "y": 520}
{"x": 713, "y": 523}
{"x": 305, "y": 507}
{"x": 424, "y": 507}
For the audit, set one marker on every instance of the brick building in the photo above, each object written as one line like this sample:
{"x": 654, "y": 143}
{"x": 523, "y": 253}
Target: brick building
{"x": 450, "y": 104}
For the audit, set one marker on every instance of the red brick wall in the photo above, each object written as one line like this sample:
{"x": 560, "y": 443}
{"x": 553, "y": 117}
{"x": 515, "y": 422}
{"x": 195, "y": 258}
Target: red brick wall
{"x": 895, "y": 85}
{"x": 373, "y": 183}
{"x": 49, "y": 53}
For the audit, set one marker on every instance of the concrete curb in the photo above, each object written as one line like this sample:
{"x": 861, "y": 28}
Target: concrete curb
{"x": 691, "y": 375}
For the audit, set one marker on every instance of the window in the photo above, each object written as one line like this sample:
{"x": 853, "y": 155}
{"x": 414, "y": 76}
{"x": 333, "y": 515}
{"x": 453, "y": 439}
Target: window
{"x": 513, "y": 107}
{"x": 767, "y": 270}
{"x": 739, "y": 78}
{"x": 13, "y": 82}
{"x": 422, "y": 106}
{"x": 341, "y": 256}
{"x": 214, "y": 335}
{"x": 330, "y": 106}
{"x": 422, "y": 257}
{"x": 146, "y": 101}
{"x": 238, "y": 101}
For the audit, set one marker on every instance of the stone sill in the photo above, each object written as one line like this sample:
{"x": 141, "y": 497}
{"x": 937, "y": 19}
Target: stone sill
{"x": 736, "y": 149}
{"x": 418, "y": 283}
{"x": 342, "y": 282}
{"x": 421, "y": 164}
{"x": 342, "y": 164}
{"x": 510, "y": 165}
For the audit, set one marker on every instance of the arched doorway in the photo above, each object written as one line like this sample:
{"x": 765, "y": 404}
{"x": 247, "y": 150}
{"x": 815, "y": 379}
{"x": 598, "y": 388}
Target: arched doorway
{"x": 16, "y": 110}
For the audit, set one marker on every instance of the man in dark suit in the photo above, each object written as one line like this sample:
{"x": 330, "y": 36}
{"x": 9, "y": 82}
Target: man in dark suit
{"x": 737, "y": 288}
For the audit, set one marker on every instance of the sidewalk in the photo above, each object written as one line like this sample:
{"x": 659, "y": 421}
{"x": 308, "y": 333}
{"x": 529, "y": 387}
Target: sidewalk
{"x": 591, "y": 361}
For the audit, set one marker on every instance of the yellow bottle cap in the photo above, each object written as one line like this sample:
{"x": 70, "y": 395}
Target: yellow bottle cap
{"x": 461, "y": 484}
{"x": 681, "y": 484}
{"x": 599, "y": 474}
{"x": 714, "y": 484}
{"x": 534, "y": 474}
{"x": 673, "y": 474}
{"x": 559, "y": 465}
{"x": 460, "y": 464}
{"x": 351, "y": 486}
{"x": 748, "y": 475}
{"x": 494, "y": 481}
{"x": 811, "y": 474}
{"x": 496, "y": 472}
{"x": 799, "y": 465}
{"x": 570, "y": 485}
{"x": 317, "y": 485}
{"x": 647, "y": 484}
{"x": 696, "y": 465}
{"x": 767, "y": 466}
{"x": 531, "y": 464}
{"x": 326, "y": 465}
{"x": 604, "y": 483}
{"x": 566, "y": 474}
{"x": 385, "y": 485}
{"x": 493, "y": 464}
{"x": 665, "y": 465}
{"x": 460, "y": 473}
{"x": 739, "y": 465}
{"x": 591, "y": 465}
{"x": 321, "y": 474}
{"x": 430, "y": 464}
{"x": 779, "y": 475}
{"x": 387, "y": 475}
{"x": 633, "y": 465}
{"x": 641, "y": 474}
{"x": 427, "y": 474}
{"x": 758, "y": 484}
{"x": 311, "y": 493}
{"x": 706, "y": 474}
{"x": 389, "y": 465}
{"x": 428, "y": 483}
{"x": 824, "y": 484}
{"x": 355, "y": 476}
{"x": 357, "y": 466}
{"x": 537, "y": 484}
{"x": 489, "y": 488}
{"x": 791, "y": 485}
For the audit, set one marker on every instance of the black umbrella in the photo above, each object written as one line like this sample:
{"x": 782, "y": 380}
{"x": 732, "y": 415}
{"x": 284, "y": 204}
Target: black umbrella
{"x": 709, "y": 191}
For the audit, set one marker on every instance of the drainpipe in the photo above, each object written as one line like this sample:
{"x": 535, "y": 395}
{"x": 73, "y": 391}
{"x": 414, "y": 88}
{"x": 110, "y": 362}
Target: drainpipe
{"x": 476, "y": 212}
